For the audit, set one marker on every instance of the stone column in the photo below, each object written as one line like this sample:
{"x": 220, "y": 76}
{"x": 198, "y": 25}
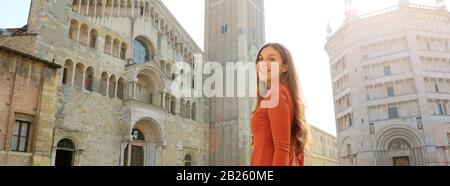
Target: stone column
{"x": 103, "y": 8}
{"x": 134, "y": 90}
{"x": 112, "y": 9}
{"x": 79, "y": 7}
{"x": 107, "y": 87}
{"x": 72, "y": 80}
{"x": 150, "y": 155}
{"x": 115, "y": 88}
{"x": 78, "y": 33}
{"x": 123, "y": 146}
{"x": 95, "y": 8}
{"x": 87, "y": 7}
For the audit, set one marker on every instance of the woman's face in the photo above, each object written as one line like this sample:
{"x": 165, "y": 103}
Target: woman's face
{"x": 269, "y": 57}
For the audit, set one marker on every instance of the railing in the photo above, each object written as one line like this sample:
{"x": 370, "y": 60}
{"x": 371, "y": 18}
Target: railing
{"x": 144, "y": 105}
{"x": 423, "y": 7}
{"x": 379, "y": 12}
{"x": 387, "y": 10}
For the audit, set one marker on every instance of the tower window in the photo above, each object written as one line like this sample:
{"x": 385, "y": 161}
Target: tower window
{"x": 20, "y": 136}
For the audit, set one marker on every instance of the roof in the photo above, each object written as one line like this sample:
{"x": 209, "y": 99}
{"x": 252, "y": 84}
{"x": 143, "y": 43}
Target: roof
{"x": 34, "y": 58}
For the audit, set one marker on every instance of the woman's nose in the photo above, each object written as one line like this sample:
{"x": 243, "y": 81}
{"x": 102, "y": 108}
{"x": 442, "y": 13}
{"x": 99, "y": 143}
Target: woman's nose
{"x": 264, "y": 65}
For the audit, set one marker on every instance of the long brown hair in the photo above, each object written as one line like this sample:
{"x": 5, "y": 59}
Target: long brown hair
{"x": 299, "y": 131}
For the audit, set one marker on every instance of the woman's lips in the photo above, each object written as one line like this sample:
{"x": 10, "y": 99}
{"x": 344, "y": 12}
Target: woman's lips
{"x": 264, "y": 71}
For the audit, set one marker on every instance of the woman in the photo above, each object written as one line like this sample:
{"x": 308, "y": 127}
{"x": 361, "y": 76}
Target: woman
{"x": 279, "y": 133}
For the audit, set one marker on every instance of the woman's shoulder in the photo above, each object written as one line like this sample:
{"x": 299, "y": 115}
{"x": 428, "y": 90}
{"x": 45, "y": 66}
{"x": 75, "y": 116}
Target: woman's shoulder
{"x": 283, "y": 93}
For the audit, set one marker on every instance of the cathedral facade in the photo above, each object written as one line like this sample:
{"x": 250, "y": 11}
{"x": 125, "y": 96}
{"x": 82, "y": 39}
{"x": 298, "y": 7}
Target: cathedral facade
{"x": 106, "y": 98}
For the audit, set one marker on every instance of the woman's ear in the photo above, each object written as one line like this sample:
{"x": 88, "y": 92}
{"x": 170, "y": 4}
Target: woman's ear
{"x": 284, "y": 68}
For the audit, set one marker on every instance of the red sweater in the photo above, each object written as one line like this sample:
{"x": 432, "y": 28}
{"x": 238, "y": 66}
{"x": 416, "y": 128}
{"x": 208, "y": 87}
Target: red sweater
{"x": 272, "y": 142}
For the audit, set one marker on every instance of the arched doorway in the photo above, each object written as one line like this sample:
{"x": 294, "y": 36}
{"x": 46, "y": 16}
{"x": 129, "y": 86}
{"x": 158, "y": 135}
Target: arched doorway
{"x": 400, "y": 145}
{"x": 137, "y": 149}
{"x": 65, "y": 153}
{"x": 146, "y": 144}
{"x": 400, "y": 151}
{"x": 149, "y": 86}
{"x": 188, "y": 161}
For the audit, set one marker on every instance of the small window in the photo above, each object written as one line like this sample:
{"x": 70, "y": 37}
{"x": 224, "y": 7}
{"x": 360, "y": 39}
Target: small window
{"x": 224, "y": 28}
{"x": 441, "y": 109}
{"x": 65, "y": 74}
{"x": 173, "y": 106}
{"x": 436, "y": 87}
{"x": 387, "y": 71}
{"x": 390, "y": 91}
{"x": 350, "y": 121}
{"x": 393, "y": 112}
{"x": 448, "y": 138}
{"x": 20, "y": 136}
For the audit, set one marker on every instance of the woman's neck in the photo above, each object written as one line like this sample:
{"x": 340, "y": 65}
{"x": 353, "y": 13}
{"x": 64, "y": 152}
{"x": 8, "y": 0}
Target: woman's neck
{"x": 269, "y": 84}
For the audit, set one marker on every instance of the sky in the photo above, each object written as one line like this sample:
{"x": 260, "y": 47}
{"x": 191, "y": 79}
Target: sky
{"x": 299, "y": 25}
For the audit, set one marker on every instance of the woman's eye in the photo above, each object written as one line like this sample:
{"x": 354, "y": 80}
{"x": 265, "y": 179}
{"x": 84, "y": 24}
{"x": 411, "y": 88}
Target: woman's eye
{"x": 272, "y": 59}
{"x": 260, "y": 59}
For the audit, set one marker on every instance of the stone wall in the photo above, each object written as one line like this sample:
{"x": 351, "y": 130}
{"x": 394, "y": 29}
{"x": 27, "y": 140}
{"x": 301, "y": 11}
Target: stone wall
{"x": 29, "y": 91}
